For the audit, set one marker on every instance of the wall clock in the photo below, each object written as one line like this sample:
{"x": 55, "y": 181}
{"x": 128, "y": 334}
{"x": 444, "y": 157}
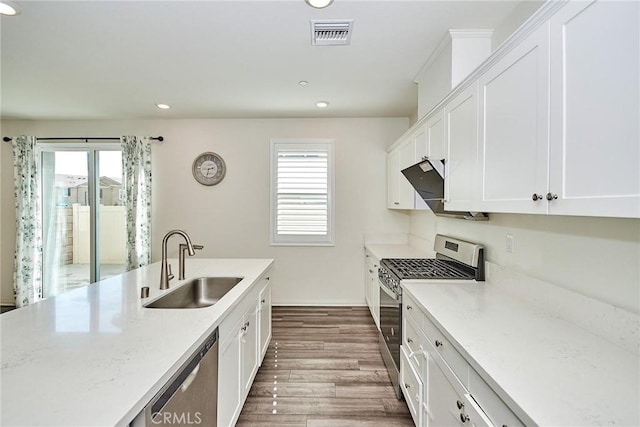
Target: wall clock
{"x": 209, "y": 168}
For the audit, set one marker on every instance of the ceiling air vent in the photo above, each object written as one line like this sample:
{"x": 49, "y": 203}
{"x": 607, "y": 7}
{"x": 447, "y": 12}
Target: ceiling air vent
{"x": 331, "y": 32}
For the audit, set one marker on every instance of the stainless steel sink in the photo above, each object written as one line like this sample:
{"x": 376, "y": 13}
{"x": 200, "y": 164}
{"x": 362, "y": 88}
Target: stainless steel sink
{"x": 197, "y": 293}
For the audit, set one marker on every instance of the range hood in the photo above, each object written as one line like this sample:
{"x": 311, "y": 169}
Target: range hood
{"x": 427, "y": 177}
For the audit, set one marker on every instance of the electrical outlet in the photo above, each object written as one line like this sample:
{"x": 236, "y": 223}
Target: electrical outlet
{"x": 511, "y": 243}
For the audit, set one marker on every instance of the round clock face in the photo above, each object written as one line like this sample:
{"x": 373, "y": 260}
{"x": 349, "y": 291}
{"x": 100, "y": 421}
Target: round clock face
{"x": 209, "y": 168}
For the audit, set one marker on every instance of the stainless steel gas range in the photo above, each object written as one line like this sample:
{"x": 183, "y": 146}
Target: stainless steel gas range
{"x": 455, "y": 260}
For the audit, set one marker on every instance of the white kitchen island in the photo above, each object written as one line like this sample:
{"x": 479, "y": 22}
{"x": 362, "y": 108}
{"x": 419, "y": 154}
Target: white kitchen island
{"x": 95, "y": 356}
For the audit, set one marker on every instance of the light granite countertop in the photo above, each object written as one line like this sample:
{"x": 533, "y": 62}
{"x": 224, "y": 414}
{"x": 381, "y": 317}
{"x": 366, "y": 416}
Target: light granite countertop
{"x": 548, "y": 370}
{"x": 95, "y": 356}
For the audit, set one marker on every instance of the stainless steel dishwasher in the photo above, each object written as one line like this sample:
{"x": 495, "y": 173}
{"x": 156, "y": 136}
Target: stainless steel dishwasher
{"x": 191, "y": 396}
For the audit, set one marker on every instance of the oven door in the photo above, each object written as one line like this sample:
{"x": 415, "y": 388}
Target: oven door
{"x": 391, "y": 333}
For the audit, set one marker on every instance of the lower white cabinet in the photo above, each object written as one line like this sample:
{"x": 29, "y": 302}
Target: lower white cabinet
{"x": 245, "y": 336}
{"x": 229, "y": 376}
{"x": 265, "y": 317}
{"x": 371, "y": 286}
{"x": 440, "y": 387}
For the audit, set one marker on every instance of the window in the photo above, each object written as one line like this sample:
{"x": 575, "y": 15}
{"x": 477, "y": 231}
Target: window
{"x": 302, "y": 192}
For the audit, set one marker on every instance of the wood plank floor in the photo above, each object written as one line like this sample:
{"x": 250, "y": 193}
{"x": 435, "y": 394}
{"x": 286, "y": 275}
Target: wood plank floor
{"x": 323, "y": 369}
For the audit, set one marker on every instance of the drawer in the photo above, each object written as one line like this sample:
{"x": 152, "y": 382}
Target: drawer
{"x": 456, "y": 362}
{"x": 490, "y": 403}
{"x": 412, "y": 387}
{"x": 411, "y": 309}
{"x": 413, "y": 341}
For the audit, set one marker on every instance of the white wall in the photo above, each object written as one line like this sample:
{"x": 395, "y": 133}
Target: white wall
{"x": 596, "y": 257}
{"x": 232, "y": 218}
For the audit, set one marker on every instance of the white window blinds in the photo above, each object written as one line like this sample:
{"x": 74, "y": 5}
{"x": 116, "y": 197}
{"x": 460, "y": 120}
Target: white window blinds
{"x": 301, "y": 192}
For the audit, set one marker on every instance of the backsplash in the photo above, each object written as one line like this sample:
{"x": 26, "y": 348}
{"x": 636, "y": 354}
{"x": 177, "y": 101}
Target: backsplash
{"x": 595, "y": 257}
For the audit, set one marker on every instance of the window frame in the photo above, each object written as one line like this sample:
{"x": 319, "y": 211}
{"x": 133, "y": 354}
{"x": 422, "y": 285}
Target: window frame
{"x": 310, "y": 144}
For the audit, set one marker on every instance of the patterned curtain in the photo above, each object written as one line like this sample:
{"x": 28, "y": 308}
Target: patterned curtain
{"x": 136, "y": 183}
{"x": 27, "y": 278}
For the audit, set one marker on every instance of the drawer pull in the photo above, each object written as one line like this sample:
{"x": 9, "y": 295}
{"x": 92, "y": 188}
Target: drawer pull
{"x": 409, "y": 340}
{"x": 460, "y": 404}
{"x": 370, "y": 271}
{"x": 464, "y": 418}
{"x": 409, "y": 307}
{"x": 407, "y": 386}
{"x": 438, "y": 343}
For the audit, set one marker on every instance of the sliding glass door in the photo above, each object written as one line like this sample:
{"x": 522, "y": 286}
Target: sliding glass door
{"x": 84, "y": 232}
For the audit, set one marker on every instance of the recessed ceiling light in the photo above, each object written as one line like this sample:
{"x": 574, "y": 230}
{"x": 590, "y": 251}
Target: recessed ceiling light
{"x": 319, "y": 4}
{"x": 7, "y": 8}
{"x": 303, "y": 82}
{"x": 163, "y": 106}
{"x": 322, "y": 104}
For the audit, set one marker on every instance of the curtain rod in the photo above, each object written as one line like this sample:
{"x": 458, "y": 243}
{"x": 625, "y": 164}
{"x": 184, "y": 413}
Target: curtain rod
{"x": 86, "y": 139}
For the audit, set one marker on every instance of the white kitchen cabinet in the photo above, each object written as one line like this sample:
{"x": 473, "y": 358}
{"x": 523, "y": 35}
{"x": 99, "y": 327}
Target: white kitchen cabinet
{"x": 245, "y": 335}
{"x": 430, "y": 142}
{"x": 249, "y": 349}
{"x": 371, "y": 286}
{"x": 229, "y": 376}
{"x": 461, "y": 138}
{"x": 264, "y": 304}
{"x": 595, "y": 106}
{"x": 451, "y": 393}
{"x": 514, "y": 137}
{"x": 400, "y": 194}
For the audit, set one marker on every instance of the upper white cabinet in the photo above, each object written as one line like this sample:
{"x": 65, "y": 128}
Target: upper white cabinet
{"x": 400, "y": 194}
{"x": 461, "y": 135}
{"x": 430, "y": 138}
{"x": 514, "y": 137}
{"x": 595, "y": 109}
{"x": 549, "y": 124}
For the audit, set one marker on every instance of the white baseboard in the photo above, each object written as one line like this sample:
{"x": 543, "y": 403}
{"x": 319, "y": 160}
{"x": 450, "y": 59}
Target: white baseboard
{"x": 319, "y": 304}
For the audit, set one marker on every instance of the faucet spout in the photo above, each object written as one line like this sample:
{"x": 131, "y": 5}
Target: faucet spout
{"x": 165, "y": 270}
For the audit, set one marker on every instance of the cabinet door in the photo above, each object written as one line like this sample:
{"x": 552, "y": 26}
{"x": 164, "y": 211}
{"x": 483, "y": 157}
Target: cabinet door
{"x": 461, "y": 181}
{"x": 407, "y": 158}
{"x": 371, "y": 285}
{"x": 412, "y": 387}
{"x": 265, "y": 318}
{"x": 595, "y": 105}
{"x": 442, "y": 403}
{"x": 393, "y": 179}
{"x": 514, "y": 139}
{"x": 229, "y": 381}
{"x": 249, "y": 342}
{"x": 435, "y": 133}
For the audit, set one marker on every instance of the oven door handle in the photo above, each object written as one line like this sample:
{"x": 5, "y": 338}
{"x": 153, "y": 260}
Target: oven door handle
{"x": 389, "y": 291}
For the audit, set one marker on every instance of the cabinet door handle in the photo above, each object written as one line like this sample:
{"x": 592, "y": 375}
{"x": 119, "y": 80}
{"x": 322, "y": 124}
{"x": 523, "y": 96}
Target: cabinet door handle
{"x": 370, "y": 271}
{"x": 409, "y": 340}
{"x": 407, "y": 386}
{"x": 396, "y": 203}
{"x": 409, "y": 307}
{"x": 464, "y": 418}
{"x": 460, "y": 404}
{"x": 438, "y": 343}
{"x": 536, "y": 197}
{"x": 262, "y": 301}
{"x": 551, "y": 196}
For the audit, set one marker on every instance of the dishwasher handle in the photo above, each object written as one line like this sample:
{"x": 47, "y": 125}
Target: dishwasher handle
{"x": 192, "y": 376}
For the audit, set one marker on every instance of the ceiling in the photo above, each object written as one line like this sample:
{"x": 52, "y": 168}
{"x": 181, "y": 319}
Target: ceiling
{"x": 221, "y": 58}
